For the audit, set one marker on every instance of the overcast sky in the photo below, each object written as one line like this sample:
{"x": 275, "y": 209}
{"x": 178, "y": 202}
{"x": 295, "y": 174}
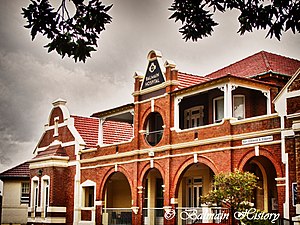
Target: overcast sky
{"x": 30, "y": 78}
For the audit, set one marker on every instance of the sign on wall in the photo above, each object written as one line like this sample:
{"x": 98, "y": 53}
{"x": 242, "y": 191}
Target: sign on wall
{"x": 257, "y": 140}
{"x": 154, "y": 75}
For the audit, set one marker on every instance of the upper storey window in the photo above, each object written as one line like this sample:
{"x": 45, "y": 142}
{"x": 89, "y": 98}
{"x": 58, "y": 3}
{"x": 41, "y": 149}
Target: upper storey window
{"x": 238, "y": 110}
{"x": 193, "y": 117}
{"x": 218, "y": 109}
{"x": 154, "y": 128}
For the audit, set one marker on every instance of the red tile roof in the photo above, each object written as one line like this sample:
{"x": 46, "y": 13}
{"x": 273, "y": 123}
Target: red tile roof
{"x": 52, "y": 150}
{"x": 21, "y": 170}
{"x": 88, "y": 129}
{"x": 259, "y": 63}
{"x": 114, "y": 132}
{"x": 186, "y": 80}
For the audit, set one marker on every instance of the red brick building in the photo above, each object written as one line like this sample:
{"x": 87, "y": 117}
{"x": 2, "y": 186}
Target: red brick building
{"x": 130, "y": 164}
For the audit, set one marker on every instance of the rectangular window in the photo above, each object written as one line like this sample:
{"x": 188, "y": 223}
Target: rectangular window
{"x": 35, "y": 189}
{"x": 194, "y": 187}
{"x": 88, "y": 196}
{"x": 193, "y": 117}
{"x": 218, "y": 109}
{"x": 46, "y": 196}
{"x": 239, "y": 107}
{"x": 25, "y": 193}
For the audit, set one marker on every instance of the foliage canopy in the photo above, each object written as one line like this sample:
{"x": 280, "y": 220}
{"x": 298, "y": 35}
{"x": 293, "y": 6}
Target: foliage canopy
{"x": 76, "y": 36}
{"x": 276, "y": 16}
{"x": 234, "y": 189}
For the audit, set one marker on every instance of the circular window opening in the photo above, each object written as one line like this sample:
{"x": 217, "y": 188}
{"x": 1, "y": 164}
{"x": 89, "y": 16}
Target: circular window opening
{"x": 154, "y": 128}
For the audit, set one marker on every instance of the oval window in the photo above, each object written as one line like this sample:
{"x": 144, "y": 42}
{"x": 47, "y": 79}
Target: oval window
{"x": 154, "y": 128}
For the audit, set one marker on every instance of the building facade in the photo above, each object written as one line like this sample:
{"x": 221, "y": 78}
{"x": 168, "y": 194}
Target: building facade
{"x": 133, "y": 163}
{"x": 15, "y": 195}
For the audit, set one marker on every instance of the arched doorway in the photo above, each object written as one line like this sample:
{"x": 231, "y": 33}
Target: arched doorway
{"x": 265, "y": 196}
{"x": 117, "y": 201}
{"x": 153, "y": 199}
{"x": 195, "y": 181}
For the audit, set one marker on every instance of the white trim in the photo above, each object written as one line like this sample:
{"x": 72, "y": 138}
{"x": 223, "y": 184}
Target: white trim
{"x": 34, "y": 196}
{"x": 70, "y": 143}
{"x": 65, "y": 158}
{"x": 43, "y": 193}
{"x": 100, "y": 131}
{"x": 149, "y": 99}
{"x": 49, "y": 161}
{"x": 214, "y": 108}
{"x": 253, "y": 119}
{"x": 284, "y": 89}
{"x": 57, "y": 209}
{"x": 193, "y": 143}
{"x": 55, "y": 133}
{"x": 46, "y": 220}
{"x": 83, "y": 186}
{"x": 88, "y": 183}
{"x": 176, "y": 155}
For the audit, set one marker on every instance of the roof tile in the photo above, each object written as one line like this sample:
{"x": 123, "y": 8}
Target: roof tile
{"x": 21, "y": 170}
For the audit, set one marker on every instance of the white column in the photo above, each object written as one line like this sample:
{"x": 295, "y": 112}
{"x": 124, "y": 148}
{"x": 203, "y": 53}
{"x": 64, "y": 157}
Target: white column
{"x": 268, "y": 96}
{"x": 100, "y": 132}
{"x": 176, "y": 113}
{"x": 229, "y": 100}
{"x": 226, "y": 100}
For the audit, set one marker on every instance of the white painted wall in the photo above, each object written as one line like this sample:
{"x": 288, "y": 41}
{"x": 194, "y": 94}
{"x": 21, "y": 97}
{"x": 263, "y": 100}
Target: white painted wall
{"x": 13, "y": 211}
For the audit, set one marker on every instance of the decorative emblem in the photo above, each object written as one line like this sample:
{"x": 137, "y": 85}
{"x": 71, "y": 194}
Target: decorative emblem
{"x": 152, "y": 67}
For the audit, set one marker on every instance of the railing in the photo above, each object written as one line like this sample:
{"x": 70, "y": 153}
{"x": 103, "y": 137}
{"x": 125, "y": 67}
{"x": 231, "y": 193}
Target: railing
{"x": 283, "y": 221}
{"x": 202, "y": 215}
{"x": 117, "y": 216}
{"x": 153, "y": 216}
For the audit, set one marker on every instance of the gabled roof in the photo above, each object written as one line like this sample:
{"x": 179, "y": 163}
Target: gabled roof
{"x": 19, "y": 171}
{"x": 288, "y": 84}
{"x": 259, "y": 63}
{"x": 88, "y": 128}
{"x": 114, "y": 132}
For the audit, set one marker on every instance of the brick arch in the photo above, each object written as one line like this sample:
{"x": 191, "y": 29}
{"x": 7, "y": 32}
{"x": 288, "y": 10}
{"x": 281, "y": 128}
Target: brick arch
{"x": 262, "y": 152}
{"x": 147, "y": 168}
{"x": 109, "y": 173}
{"x": 186, "y": 164}
{"x": 156, "y": 109}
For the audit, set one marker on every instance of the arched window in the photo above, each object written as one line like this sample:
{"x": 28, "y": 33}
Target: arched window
{"x": 154, "y": 128}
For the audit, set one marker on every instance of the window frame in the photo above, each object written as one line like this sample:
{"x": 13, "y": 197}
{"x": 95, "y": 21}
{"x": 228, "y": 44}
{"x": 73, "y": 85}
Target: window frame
{"x": 153, "y": 128}
{"x": 200, "y": 115}
{"x": 214, "y": 108}
{"x": 84, "y": 187}
{"x": 244, "y": 105}
{"x": 22, "y": 201}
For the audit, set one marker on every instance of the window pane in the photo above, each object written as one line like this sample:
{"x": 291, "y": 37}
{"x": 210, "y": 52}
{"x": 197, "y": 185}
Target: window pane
{"x": 219, "y": 109}
{"x": 238, "y": 108}
{"x": 25, "y": 193}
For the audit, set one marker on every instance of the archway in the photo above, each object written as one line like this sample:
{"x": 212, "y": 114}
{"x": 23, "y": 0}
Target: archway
{"x": 195, "y": 181}
{"x": 153, "y": 198}
{"x": 265, "y": 196}
{"x": 117, "y": 200}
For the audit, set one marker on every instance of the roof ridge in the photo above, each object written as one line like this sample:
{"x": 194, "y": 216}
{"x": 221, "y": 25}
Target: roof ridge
{"x": 86, "y": 117}
{"x": 265, "y": 59}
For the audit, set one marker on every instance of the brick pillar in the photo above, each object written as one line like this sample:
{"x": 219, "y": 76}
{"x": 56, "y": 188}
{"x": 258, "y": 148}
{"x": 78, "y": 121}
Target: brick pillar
{"x": 136, "y": 197}
{"x": 281, "y": 198}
